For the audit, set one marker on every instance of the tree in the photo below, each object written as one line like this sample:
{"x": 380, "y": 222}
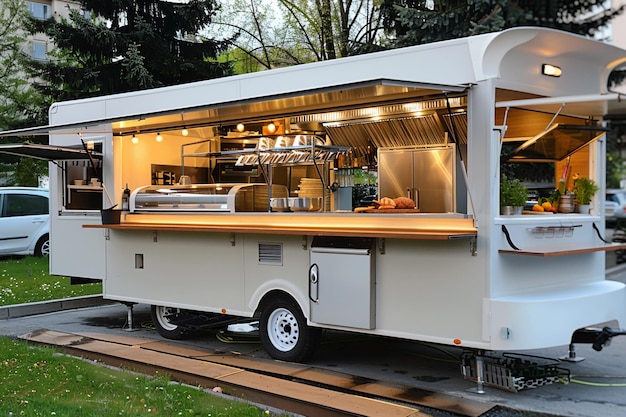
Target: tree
{"x": 127, "y": 45}
{"x": 414, "y": 22}
{"x": 19, "y": 103}
{"x": 16, "y": 99}
{"x": 289, "y": 32}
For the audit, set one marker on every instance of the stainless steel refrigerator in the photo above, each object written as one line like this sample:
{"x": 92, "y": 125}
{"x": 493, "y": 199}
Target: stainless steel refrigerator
{"x": 425, "y": 174}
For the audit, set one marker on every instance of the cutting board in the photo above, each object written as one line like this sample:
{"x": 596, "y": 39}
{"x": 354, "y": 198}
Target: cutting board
{"x": 392, "y": 211}
{"x": 536, "y": 212}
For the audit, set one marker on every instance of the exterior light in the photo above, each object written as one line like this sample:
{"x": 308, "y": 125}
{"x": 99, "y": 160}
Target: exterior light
{"x": 134, "y": 139}
{"x": 185, "y": 132}
{"x": 240, "y": 127}
{"x": 159, "y": 138}
{"x": 551, "y": 70}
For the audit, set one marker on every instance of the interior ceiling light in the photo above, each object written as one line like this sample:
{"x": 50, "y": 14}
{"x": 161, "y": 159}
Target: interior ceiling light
{"x": 185, "y": 132}
{"x": 159, "y": 138}
{"x": 134, "y": 139}
{"x": 551, "y": 70}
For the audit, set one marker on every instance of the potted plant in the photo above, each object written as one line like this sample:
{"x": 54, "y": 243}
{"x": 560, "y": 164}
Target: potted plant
{"x": 513, "y": 195}
{"x": 584, "y": 190}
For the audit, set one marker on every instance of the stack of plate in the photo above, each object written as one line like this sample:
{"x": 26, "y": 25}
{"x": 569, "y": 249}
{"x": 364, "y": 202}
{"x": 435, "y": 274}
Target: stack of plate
{"x": 310, "y": 187}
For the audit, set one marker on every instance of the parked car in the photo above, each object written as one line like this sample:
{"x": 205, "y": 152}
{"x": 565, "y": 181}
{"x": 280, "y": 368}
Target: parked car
{"x": 610, "y": 207}
{"x": 24, "y": 221}
{"x": 618, "y": 196}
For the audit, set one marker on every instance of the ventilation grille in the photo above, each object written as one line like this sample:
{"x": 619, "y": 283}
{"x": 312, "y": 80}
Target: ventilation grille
{"x": 271, "y": 253}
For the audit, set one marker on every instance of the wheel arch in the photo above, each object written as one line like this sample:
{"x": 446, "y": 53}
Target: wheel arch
{"x": 277, "y": 289}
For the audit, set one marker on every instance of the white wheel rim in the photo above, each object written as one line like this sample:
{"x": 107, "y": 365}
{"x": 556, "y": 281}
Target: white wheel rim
{"x": 283, "y": 329}
{"x": 162, "y": 314}
{"x": 45, "y": 248}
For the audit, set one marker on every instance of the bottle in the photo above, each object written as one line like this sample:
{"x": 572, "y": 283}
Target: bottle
{"x": 125, "y": 198}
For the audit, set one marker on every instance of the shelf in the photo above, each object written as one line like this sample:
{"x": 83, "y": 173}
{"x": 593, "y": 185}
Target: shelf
{"x": 91, "y": 188}
{"x": 288, "y": 154}
{"x": 564, "y": 250}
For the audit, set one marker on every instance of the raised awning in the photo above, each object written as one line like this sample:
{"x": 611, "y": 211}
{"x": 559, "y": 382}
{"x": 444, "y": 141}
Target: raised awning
{"x": 328, "y": 98}
{"x": 49, "y": 152}
{"x": 557, "y": 143}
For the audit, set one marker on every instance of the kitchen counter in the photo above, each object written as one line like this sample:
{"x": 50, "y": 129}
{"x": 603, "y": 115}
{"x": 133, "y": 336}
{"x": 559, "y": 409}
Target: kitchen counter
{"x": 398, "y": 226}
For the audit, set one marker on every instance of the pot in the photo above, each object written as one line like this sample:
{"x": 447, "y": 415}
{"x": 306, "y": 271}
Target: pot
{"x": 305, "y": 203}
{"x": 279, "y": 204}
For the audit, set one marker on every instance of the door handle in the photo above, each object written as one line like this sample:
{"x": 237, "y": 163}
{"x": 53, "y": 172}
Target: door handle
{"x": 313, "y": 283}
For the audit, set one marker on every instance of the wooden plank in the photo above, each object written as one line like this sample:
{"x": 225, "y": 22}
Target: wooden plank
{"x": 564, "y": 251}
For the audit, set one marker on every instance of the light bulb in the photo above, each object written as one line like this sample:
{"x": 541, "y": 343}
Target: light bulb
{"x": 134, "y": 139}
{"x": 240, "y": 127}
{"x": 185, "y": 132}
{"x": 159, "y": 138}
{"x": 271, "y": 128}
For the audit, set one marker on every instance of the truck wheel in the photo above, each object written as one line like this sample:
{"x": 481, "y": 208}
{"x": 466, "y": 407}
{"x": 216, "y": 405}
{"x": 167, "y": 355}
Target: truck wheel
{"x": 161, "y": 319}
{"x": 284, "y": 332}
{"x": 42, "y": 248}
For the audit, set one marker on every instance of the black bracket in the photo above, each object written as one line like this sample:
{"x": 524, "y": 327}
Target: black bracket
{"x": 598, "y": 338}
{"x": 508, "y": 237}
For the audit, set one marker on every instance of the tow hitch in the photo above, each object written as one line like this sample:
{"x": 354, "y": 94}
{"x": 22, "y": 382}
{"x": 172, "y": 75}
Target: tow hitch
{"x": 598, "y": 338}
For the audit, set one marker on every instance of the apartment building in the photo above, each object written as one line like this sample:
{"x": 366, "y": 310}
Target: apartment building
{"x": 39, "y": 45}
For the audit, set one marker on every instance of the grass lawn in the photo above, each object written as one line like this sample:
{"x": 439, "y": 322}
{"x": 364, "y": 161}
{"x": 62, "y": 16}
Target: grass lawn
{"x": 39, "y": 381}
{"x": 26, "y": 280}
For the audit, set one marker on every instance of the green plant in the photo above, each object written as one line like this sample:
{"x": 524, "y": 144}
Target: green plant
{"x": 584, "y": 190}
{"x": 512, "y": 192}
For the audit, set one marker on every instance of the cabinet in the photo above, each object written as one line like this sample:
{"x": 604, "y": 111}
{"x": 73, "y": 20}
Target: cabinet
{"x": 341, "y": 274}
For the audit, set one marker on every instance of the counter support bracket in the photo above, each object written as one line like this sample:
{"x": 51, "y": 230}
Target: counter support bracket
{"x": 381, "y": 246}
{"x": 474, "y": 246}
{"x": 232, "y": 239}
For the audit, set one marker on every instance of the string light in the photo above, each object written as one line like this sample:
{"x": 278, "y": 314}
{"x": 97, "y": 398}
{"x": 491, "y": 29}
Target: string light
{"x": 134, "y": 139}
{"x": 185, "y": 132}
{"x": 271, "y": 128}
{"x": 240, "y": 127}
{"x": 159, "y": 138}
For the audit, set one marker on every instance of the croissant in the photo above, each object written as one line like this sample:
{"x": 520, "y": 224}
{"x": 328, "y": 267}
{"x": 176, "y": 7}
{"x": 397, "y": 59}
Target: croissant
{"x": 404, "y": 203}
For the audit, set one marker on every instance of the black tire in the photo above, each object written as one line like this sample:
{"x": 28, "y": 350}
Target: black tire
{"x": 284, "y": 332}
{"x": 160, "y": 319}
{"x": 42, "y": 248}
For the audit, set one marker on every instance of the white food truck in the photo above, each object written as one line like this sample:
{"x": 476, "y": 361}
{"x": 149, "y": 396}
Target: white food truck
{"x": 232, "y": 195}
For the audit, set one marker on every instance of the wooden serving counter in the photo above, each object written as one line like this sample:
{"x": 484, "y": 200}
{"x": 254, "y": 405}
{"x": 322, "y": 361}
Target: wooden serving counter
{"x": 398, "y": 226}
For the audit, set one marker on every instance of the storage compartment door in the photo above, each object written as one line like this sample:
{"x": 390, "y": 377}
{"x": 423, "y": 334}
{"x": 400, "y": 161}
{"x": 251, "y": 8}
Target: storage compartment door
{"x": 341, "y": 287}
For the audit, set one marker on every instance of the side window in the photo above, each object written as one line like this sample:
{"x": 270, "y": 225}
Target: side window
{"x": 24, "y": 205}
{"x": 83, "y": 187}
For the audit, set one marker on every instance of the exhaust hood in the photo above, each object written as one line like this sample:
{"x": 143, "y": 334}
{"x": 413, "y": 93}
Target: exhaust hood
{"x": 557, "y": 143}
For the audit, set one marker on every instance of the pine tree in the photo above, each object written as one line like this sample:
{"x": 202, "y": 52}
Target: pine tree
{"x": 127, "y": 45}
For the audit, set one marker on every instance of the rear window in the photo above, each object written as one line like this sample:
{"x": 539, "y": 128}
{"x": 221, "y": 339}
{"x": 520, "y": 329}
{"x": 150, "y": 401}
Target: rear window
{"x": 24, "y": 205}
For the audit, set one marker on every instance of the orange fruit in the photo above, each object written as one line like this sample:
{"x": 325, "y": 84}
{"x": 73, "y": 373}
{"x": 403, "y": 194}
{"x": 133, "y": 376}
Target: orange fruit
{"x": 546, "y": 205}
{"x": 537, "y": 207}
